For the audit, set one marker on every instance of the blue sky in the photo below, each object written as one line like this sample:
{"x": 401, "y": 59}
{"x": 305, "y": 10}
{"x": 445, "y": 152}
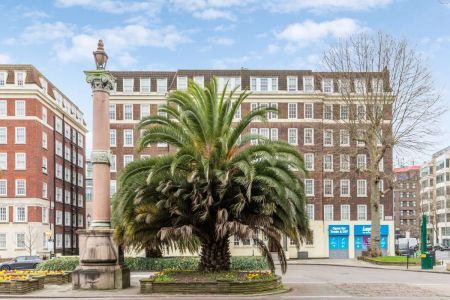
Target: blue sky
{"x": 58, "y": 36}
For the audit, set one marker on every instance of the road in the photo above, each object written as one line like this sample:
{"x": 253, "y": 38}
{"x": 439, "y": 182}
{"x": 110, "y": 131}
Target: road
{"x": 306, "y": 282}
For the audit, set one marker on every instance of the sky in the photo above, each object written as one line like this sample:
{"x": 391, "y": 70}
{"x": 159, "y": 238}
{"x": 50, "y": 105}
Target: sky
{"x": 58, "y": 37}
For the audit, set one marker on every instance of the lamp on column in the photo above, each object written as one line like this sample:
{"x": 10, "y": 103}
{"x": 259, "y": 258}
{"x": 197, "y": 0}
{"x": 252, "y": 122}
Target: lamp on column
{"x": 100, "y": 56}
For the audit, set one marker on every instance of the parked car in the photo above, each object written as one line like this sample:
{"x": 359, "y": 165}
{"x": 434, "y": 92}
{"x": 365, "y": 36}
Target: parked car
{"x": 21, "y": 263}
{"x": 440, "y": 247}
{"x": 406, "y": 246}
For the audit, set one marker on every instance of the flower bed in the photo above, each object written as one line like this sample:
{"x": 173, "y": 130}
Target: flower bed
{"x": 20, "y": 284}
{"x": 48, "y": 277}
{"x": 191, "y": 282}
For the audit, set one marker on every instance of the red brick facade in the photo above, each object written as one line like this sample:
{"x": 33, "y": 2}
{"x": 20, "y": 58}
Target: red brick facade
{"x": 43, "y": 105}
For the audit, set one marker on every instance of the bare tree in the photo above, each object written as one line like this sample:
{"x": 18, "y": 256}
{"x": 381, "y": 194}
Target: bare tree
{"x": 30, "y": 239}
{"x": 388, "y": 94}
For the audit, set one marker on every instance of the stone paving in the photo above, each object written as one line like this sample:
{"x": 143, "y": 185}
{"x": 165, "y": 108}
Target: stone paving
{"x": 307, "y": 281}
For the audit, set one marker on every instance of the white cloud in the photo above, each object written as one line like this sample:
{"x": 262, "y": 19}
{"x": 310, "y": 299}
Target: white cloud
{"x": 212, "y": 14}
{"x": 35, "y": 14}
{"x": 223, "y": 41}
{"x": 39, "y": 33}
{"x": 5, "y": 59}
{"x": 299, "y": 35}
{"x": 287, "y": 6}
{"x": 150, "y": 7}
{"x": 235, "y": 62}
{"x": 120, "y": 39}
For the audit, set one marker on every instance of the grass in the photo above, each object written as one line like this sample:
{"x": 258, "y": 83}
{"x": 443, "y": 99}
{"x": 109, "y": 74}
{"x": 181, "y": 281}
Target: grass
{"x": 395, "y": 259}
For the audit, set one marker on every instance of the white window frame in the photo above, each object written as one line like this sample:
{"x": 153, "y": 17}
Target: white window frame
{"x": 360, "y": 183}
{"x": 292, "y": 111}
{"x": 21, "y": 246}
{"x": 292, "y": 88}
{"x": 4, "y": 161}
{"x": 144, "y": 87}
{"x": 311, "y": 182}
{"x": 342, "y": 111}
{"x": 308, "y": 88}
{"x": 327, "y": 86}
{"x": 200, "y": 80}
{"x": 344, "y": 160}
{"x": 20, "y": 141}
{"x": 361, "y": 162}
{"x": 182, "y": 83}
{"x": 126, "y": 160}
{"x": 293, "y": 133}
{"x": 3, "y": 137}
{"x": 305, "y": 130}
{"x": 145, "y": 110}
{"x": 310, "y": 114}
{"x": 5, "y": 208}
{"x": 328, "y": 212}
{"x": 113, "y": 167}
{"x": 309, "y": 161}
{"x": 325, "y": 117}
{"x": 127, "y": 112}
{"x": 3, "y": 107}
{"x": 328, "y": 140}
{"x": 126, "y": 85}
{"x": 128, "y": 133}
{"x": 20, "y": 161}
{"x": 345, "y": 182}
{"x": 361, "y": 212}
{"x": 113, "y": 137}
{"x": 310, "y": 211}
{"x": 112, "y": 111}
{"x": 3, "y": 185}
{"x": 16, "y": 214}
{"x": 344, "y": 138}
{"x": 344, "y": 218}
{"x": 22, "y": 81}
{"x": 328, "y": 183}
{"x": 161, "y": 85}
{"x": 328, "y": 166}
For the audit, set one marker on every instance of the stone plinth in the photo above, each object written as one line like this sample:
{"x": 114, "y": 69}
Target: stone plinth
{"x": 100, "y": 267}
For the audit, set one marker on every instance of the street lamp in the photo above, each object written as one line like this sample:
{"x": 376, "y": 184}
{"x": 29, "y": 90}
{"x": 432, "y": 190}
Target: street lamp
{"x": 100, "y": 56}
{"x": 50, "y": 241}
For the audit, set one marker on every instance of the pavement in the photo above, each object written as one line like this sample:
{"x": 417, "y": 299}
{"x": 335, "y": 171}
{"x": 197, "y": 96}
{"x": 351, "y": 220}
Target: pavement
{"x": 306, "y": 279}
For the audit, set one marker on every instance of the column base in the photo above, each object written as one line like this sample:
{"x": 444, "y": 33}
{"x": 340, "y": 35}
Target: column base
{"x": 100, "y": 267}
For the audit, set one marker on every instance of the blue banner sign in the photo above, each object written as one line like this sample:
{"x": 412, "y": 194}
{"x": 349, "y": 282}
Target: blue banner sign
{"x": 338, "y": 229}
{"x": 367, "y": 229}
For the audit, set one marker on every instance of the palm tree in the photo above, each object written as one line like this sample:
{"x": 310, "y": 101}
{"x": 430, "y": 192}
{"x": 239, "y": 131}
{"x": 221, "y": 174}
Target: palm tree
{"x": 221, "y": 181}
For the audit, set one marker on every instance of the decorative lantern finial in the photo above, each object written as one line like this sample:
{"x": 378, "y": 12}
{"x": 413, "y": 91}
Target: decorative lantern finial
{"x": 100, "y": 56}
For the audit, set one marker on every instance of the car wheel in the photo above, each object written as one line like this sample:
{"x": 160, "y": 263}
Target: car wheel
{"x": 6, "y": 268}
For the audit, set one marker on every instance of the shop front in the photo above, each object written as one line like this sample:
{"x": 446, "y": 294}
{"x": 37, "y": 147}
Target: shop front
{"x": 338, "y": 241}
{"x": 362, "y": 238}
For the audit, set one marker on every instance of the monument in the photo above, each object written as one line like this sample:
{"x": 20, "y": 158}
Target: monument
{"x": 101, "y": 265}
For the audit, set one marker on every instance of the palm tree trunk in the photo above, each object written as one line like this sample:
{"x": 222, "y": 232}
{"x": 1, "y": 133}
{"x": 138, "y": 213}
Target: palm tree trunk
{"x": 215, "y": 255}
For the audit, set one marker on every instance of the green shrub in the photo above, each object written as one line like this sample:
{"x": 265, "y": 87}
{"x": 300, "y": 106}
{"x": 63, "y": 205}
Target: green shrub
{"x": 248, "y": 263}
{"x": 244, "y": 263}
{"x": 67, "y": 263}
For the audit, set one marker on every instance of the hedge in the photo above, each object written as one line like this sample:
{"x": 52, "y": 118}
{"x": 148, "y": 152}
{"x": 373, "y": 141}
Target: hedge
{"x": 158, "y": 264}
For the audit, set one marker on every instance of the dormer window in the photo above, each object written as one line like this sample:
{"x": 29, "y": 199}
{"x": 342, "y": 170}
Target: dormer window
{"x": 3, "y": 77}
{"x": 200, "y": 80}
{"x": 128, "y": 85}
{"x": 182, "y": 83}
{"x": 145, "y": 85}
{"x": 44, "y": 85}
{"x": 20, "y": 78}
{"x": 327, "y": 85}
{"x": 161, "y": 85}
{"x": 308, "y": 84}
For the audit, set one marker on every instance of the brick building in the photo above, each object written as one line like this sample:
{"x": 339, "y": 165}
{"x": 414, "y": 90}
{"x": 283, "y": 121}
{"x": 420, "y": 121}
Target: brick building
{"x": 435, "y": 196}
{"x": 42, "y": 151}
{"x": 407, "y": 201}
{"x": 310, "y": 107}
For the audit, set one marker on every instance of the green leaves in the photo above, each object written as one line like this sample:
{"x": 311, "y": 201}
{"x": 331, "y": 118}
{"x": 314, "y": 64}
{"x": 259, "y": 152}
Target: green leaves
{"x": 217, "y": 184}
